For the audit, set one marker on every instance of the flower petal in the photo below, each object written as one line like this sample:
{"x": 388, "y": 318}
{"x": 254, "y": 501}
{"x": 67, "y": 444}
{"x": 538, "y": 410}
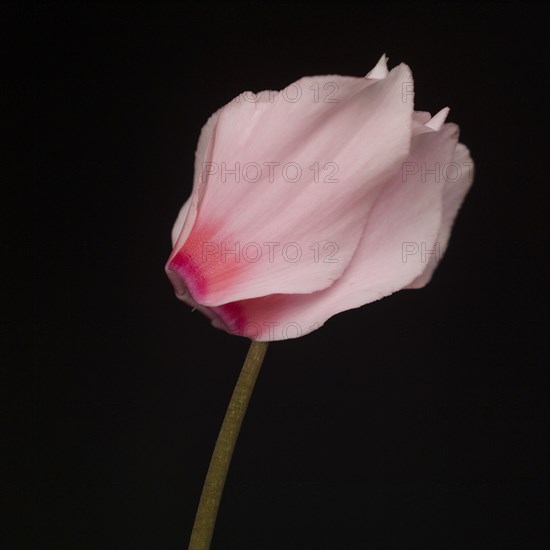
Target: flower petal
{"x": 407, "y": 212}
{"x": 436, "y": 122}
{"x": 380, "y": 70}
{"x": 459, "y": 178}
{"x": 419, "y": 122}
{"x": 203, "y": 147}
{"x": 365, "y": 135}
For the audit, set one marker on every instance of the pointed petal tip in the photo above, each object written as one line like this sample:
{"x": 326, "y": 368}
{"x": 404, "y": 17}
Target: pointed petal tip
{"x": 437, "y": 121}
{"x": 380, "y": 70}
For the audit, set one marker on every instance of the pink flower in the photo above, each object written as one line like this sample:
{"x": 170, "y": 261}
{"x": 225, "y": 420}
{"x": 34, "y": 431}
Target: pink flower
{"x": 323, "y": 197}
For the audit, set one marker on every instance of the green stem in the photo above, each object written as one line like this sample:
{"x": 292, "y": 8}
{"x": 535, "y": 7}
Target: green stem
{"x": 205, "y": 520}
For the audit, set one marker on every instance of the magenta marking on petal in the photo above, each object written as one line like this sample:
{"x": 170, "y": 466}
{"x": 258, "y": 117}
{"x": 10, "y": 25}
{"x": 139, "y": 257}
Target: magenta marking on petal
{"x": 182, "y": 264}
{"x": 233, "y": 316}
{"x": 186, "y": 263}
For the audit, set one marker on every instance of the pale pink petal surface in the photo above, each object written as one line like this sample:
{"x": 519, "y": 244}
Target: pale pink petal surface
{"x": 380, "y": 71}
{"x": 365, "y": 135}
{"x": 459, "y": 175}
{"x": 377, "y": 222}
{"x": 408, "y": 211}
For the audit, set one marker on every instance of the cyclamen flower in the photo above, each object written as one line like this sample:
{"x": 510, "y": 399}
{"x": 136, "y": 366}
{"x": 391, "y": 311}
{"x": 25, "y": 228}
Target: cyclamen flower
{"x": 320, "y": 198}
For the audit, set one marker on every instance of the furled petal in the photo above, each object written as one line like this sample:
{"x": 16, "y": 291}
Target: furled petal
{"x": 379, "y": 71}
{"x": 243, "y": 238}
{"x": 200, "y": 157}
{"x": 458, "y": 176}
{"x": 399, "y": 237}
{"x": 178, "y": 225}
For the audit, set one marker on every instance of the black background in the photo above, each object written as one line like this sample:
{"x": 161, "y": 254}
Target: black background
{"x": 414, "y": 422}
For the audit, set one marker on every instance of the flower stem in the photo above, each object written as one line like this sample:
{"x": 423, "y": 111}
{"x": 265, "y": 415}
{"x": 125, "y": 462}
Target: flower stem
{"x": 203, "y": 528}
